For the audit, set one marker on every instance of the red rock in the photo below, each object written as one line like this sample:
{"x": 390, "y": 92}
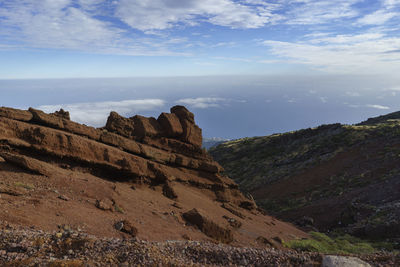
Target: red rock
{"x": 191, "y": 133}
{"x": 183, "y": 113}
{"x": 46, "y": 119}
{"x": 15, "y": 114}
{"x": 170, "y": 124}
{"x": 81, "y": 129}
{"x": 120, "y": 125}
{"x": 168, "y": 191}
{"x": 146, "y": 127}
{"x": 208, "y": 227}
{"x": 62, "y": 114}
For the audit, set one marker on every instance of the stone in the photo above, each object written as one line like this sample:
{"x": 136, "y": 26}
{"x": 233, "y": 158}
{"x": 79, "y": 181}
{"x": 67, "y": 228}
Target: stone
{"x": 170, "y": 124}
{"x": 191, "y": 133}
{"x": 183, "y": 113}
{"x": 81, "y": 129}
{"x": 104, "y": 204}
{"x": 169, "y": 191}
{"x": 120, "y": 125}
{"x": 62, "y": 114}
{"x": 248, "y": 205}
{"x": 127, "y": 227}
{"x": 146, "y": 127}
{"x": 208, "y": 227}
{"x": 343, "y": 261}
{"x": 30, "y": 164}
{"x": 16, "y": 114}
{"x": 46, "y": 119}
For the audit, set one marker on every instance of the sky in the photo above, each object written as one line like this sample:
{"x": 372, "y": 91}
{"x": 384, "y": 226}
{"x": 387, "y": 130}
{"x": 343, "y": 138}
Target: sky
{"x": 245, "y": 67}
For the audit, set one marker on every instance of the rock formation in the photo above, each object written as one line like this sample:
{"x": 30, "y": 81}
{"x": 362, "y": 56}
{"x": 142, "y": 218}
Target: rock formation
{"x": 134, "y": 155}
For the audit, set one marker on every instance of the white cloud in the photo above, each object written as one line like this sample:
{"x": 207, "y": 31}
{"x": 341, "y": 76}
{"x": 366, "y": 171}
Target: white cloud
{"x": 378, "y": 106}
{"x": 96, "y": 113}
{"x": 379, "y": 17}
{"x": 164, "y": 14}
{"x": 391, "y": 3}
{"x": 342, "y": 53}
{"x": 203, "y": 102}
{"x": 320, "y": 11}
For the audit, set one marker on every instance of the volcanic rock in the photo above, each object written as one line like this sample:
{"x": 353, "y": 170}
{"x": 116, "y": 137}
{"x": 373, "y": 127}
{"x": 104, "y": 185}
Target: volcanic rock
{"x": 191, "y": 132}
{"x": 62, "y": 114}
{"x": 120, "y": 125}
{"x": 46, "y": 119}
{"x": 169, "y": 191}
{"x": 96, "y": 168}
{"x": 15, "y": 114}
{"x": 170, "y": 124}
{"x": 146, "y": 127}
{"x": 207, "y": 226}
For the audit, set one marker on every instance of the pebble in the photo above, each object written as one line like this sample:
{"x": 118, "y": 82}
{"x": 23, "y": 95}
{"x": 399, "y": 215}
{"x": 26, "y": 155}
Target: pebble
{"x": 134, "y": 252}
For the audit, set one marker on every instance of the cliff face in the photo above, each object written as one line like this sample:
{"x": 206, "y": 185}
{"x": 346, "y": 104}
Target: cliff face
{"x": 149, "y": 175}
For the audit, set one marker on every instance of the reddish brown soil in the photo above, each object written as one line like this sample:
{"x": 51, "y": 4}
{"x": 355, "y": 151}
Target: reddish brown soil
{"x": 59, "y": 176}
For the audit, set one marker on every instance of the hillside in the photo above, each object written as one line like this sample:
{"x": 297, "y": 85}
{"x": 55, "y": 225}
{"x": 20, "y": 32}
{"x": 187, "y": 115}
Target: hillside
{"x": 136, "y": 177}
{"x": 214, "y": 141}
{"x": 343, "y": 178}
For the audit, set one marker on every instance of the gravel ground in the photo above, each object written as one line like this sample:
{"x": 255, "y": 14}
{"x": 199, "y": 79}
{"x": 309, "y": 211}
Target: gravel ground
{"x": 70, "y": 248}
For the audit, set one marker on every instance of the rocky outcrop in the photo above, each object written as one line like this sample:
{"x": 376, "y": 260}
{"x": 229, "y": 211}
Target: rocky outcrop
{"x": 171, "y": 125}
{"x": 208, "y": 227}
{"x": 146, "y": 127}
{"x": 191, "y": 132}
{"x": 62, "y": 114}
{"x": 163, "y": 153}
{"x": 119, "y": 125}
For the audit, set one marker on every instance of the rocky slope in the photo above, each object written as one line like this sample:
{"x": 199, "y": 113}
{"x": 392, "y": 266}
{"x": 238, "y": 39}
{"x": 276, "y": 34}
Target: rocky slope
{"x": 334, "y": 177}
{"x": 136, "y": 177}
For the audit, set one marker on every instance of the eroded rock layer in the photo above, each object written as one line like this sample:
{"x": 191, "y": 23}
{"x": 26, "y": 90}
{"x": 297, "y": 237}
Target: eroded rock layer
{"x": 163, "y": 155}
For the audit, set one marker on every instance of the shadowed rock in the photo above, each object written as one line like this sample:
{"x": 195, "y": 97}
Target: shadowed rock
{"x": 62, "y": 114}
{"x": 170, "y": 124}
{"x": 120, "y": 125}
{"x": 207, "y": 226}
{"x": 15, "y": 114}
{"x": 146, "y": 127}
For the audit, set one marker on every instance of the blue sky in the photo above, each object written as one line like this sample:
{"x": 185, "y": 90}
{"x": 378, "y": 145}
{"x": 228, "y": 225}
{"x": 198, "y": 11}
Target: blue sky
{"x": 301, "y": 62}
{"x": 124, "y": 38}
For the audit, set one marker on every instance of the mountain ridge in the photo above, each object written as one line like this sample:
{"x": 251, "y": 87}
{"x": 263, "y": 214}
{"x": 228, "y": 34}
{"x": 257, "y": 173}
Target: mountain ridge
{"x": 349, "y": 170}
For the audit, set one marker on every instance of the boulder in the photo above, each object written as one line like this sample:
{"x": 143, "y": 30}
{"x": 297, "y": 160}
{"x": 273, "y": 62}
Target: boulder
{"x": 169, "y": 191}
{"x": 183, "y": 113}
{"x": 146, "y": 127}
{"x": 343, "y": 261}
{"x": 170, "y": 124}
{"x": 120, "y": 125}
{"x": 44, "y": 119}
{"x": 126, "y": 227}
{"x": 191, "y": 132}
{"x": 62, "y": 114}
{"x": 208, "y": 227}
{"x": 104, "y": 204}
{"x": 15, "y": 114}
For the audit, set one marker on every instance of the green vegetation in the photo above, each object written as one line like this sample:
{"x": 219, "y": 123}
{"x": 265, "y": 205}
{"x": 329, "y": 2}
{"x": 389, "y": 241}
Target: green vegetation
{"x": 118, "y": 209}
{"x": 23, "y": 185}
{"x": 313, "y": 168}
{"x": 345, "y": 244}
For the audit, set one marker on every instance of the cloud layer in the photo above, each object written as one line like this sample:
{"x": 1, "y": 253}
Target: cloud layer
{"x": 96, "y": 113}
